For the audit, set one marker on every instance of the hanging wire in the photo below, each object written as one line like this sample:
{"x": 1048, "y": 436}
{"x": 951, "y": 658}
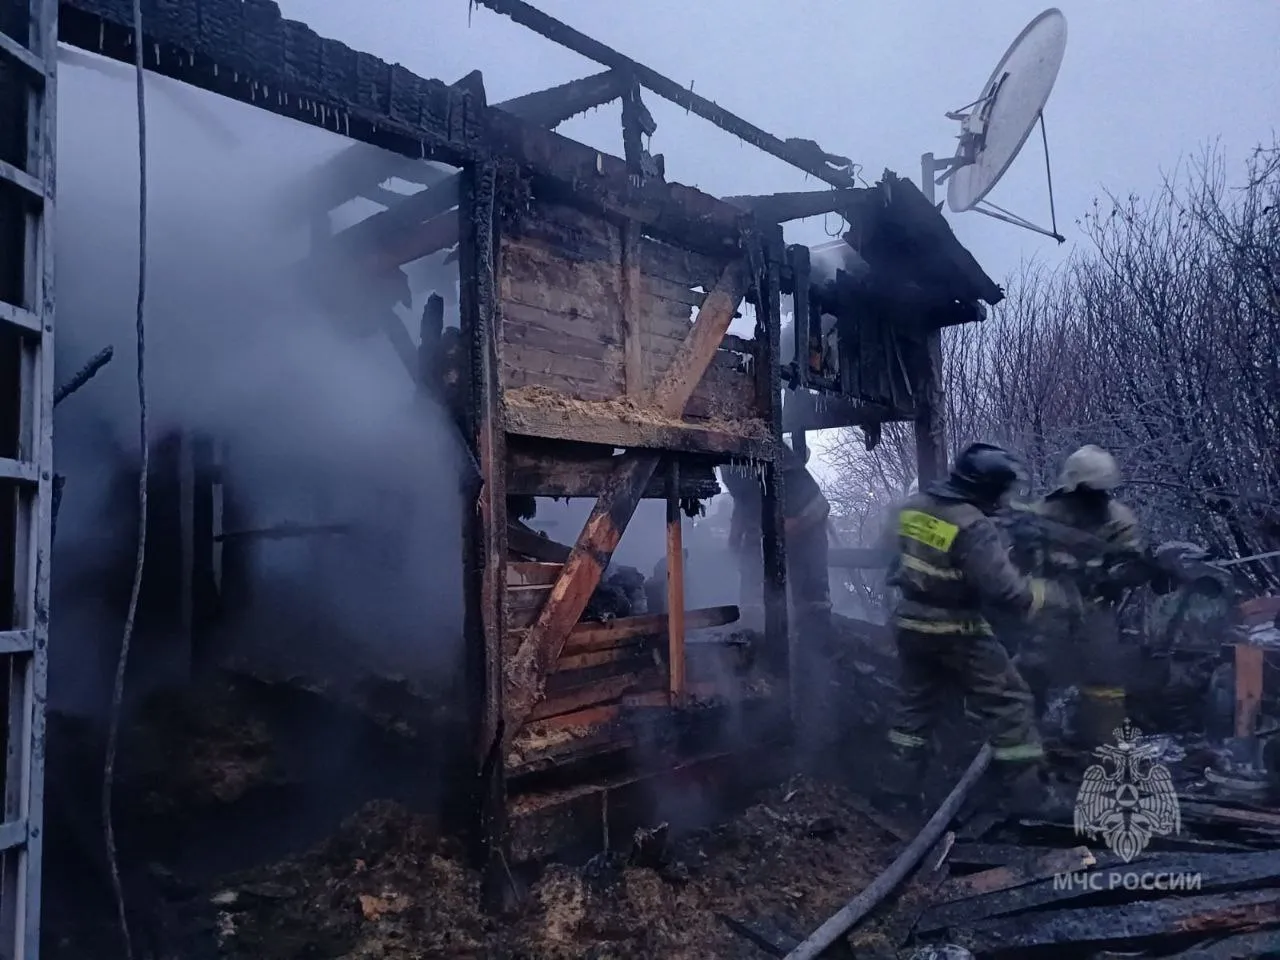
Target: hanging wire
{"x": 117, "y": 695}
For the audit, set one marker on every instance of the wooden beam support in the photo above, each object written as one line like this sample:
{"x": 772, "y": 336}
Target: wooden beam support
{"x": 802, "y": 410}
{"x": 613, "y": 511}
{"x": 805, "y": 155}
{"x": 675, "y": 587}
{"x": 930, "y": 429}
{"x": 782, "y": 207}
{"x": 587, "y": 637}
{"x": 632, "y": 299}
{"x": 551, "y": 468}
{"x": 485, "y": 533}
{"x": 551, "y": 107}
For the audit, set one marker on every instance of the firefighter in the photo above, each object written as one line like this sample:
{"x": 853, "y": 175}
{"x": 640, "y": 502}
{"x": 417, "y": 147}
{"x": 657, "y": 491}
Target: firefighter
{"x": 1108, "y": 557}
{"x": 806, "y": 513}
{"x": 952, "y": 568}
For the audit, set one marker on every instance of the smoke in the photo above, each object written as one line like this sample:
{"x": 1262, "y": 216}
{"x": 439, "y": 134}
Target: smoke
{"x": 320, "y": 423}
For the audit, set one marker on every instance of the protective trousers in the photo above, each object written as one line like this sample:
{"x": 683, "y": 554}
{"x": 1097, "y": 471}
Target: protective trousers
{"x": 977, "y": 667}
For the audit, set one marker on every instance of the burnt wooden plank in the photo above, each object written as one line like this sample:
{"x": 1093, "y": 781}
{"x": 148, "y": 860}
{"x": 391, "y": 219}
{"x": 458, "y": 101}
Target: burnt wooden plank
{"x": 635, "y": 660}
{"x": 993, "y": 854}
{"x": 665, "y": 266}
{"x": 601, "y": 691}
{"x": 537, "y": 277}
{"x": 600, "y": 636}
{"x": 680, "y": 379}
{"x": 1238, "y": 912}
{"x": 529, "y": 543}
{"x": 1217, "y": 871}
{"x": 600, "y": 658}
{"x": 524, "y": 326}
{"x": 524, "y": 572}
{"x": 1023, "y": 871}
{"x": 659, "y": 288}
{"x": 543, "y": 415}
{"x": 1243, "y": 946}
{"x": 549, "y": 368}
{"x": 571, "y": 233}
{"x": 247, "y": 51}
{"x": 550, "y": 469}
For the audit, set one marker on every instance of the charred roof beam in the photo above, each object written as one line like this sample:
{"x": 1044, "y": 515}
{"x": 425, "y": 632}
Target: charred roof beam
{"x": 803, "y": 154}
{"x": 782, "y": 207}
{"x": 555, "y": 105}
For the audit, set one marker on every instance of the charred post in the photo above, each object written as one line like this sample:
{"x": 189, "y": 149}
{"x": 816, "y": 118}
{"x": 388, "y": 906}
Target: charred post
{"x": 486, "y": 523}
{"x": 768, "y": 248}
{"x": 675, "y": 586}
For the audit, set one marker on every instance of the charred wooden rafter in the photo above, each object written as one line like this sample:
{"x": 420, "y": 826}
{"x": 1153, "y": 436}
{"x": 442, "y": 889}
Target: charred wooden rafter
{"x": 804, "y": 154}
{"x": 553, "y": 106}
{"x": 781, "y": 207}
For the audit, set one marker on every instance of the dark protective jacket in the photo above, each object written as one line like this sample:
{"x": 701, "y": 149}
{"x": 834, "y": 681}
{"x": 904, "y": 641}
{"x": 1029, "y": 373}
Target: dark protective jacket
{"x": 1094, "y": 541}
{"x": 953, "y": 568}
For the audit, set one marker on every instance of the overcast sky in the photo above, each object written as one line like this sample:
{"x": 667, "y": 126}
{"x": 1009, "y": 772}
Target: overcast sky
{"x": 1144, "y": 82}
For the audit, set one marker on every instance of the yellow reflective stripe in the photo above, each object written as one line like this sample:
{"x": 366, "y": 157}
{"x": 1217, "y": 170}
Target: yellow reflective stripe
{"x": 1037, "y": 597}
{"x": 1103, "y": 693}
{"x": 926, "y": 529}
{"x": 928, "y": 569}
{"x": 900, "y": 739}
{"x": 1023, "y": 751}
{"x": 974, "y": 627}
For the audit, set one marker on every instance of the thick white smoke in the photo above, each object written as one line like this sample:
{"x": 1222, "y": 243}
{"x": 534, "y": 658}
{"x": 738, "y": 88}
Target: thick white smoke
{"x": 320, "y": 425}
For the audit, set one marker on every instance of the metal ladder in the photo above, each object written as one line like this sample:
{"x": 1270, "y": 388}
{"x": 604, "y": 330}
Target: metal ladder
{"x": 26, "y": 488}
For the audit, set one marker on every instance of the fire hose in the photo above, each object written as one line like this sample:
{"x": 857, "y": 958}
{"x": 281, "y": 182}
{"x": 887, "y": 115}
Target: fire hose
{"x": 857, "y": 908}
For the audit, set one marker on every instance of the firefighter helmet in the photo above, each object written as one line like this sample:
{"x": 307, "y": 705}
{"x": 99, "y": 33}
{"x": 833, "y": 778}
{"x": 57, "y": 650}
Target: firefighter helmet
{"x": 1090, "y": 468}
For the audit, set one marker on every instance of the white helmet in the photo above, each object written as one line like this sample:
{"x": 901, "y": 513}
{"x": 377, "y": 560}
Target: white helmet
{"x": 1091, "y": 468}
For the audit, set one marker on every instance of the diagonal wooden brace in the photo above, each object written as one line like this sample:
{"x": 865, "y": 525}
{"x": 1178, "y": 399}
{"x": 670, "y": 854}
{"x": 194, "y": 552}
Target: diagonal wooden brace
{"x": 527, "y": 670}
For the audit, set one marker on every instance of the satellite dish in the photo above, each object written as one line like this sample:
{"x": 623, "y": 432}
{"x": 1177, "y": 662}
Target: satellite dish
{"x": 996, "y": 125}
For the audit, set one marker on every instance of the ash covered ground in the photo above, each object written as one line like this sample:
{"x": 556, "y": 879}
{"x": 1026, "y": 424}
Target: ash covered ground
{"x": 235, "y": 844}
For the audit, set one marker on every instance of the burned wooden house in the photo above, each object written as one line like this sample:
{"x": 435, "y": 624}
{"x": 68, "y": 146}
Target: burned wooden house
{"x": 590, "y": 359}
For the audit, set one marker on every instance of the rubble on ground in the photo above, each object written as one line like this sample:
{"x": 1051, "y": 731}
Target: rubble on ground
{"x": 385, "y": 887}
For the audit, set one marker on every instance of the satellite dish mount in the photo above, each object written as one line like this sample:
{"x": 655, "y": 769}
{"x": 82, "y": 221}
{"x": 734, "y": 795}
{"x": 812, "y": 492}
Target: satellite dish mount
{"x": 994, "y": 127}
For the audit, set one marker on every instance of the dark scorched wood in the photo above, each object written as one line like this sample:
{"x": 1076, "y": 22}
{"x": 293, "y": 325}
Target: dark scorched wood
{"x": 246, "y": 50}
{"x": 805, "y": 154}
